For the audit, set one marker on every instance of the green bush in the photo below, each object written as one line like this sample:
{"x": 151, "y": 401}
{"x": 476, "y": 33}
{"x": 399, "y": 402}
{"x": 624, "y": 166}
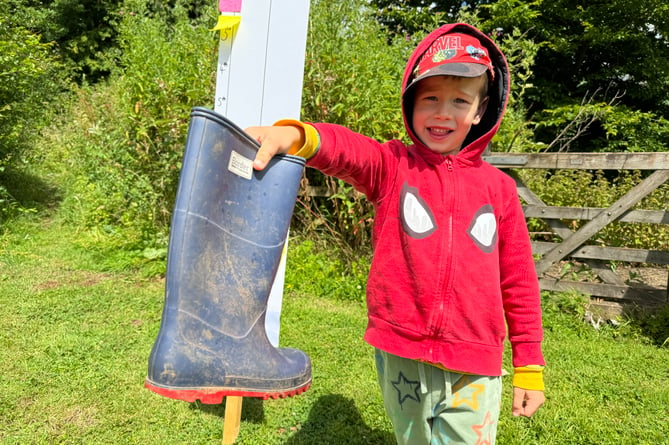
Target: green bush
{"x": 570, "y": 303}
{"x": 317, "y": 269}
{"x": 582, "y": 188}
{"x": 125, "y": 137}
{"x": 617, "y": 127}
{"x": 31, "y": 81}
{"x": 656, "y": 326}
{"x": 30, "y": 77}
{"x": 353, "y": 70}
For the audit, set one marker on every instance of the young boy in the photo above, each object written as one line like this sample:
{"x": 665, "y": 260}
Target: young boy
{"x": 452, "y": 268}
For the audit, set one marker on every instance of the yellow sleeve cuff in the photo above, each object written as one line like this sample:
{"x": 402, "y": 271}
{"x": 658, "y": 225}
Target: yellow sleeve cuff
{"x": 311, "y": 138}
{"x": 529, "y": 377}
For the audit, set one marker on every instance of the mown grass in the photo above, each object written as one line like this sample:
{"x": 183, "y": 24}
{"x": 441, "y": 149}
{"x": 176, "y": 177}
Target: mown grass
{"x": 75, "y": 338}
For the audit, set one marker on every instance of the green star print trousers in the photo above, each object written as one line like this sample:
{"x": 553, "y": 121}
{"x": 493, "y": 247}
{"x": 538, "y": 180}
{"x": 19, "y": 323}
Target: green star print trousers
{"x": 430, "y": 406}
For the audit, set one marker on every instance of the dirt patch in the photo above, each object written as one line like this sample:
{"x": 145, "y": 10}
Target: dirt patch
{"x": 650, "y": 276}
{"x": 636, "y": 276}
{"x": 641, "y": 275}
{"x": 82, "y": 279}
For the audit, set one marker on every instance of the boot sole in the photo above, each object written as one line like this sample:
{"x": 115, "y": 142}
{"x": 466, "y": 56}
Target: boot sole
{"x": 214, "y": 396}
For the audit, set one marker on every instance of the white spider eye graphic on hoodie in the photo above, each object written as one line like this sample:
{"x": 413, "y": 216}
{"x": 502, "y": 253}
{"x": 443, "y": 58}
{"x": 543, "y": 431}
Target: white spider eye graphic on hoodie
{"x": 417, "y": 218}
{"x": 483, "y": 229}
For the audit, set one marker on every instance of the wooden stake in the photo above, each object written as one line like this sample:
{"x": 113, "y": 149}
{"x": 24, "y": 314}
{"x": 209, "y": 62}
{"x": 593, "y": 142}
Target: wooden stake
{"x": 232, "y": 418}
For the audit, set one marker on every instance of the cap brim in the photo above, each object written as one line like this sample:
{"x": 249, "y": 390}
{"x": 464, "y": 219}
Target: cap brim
{"x": 452, "y": 69}
{"x": 456, "y": 69}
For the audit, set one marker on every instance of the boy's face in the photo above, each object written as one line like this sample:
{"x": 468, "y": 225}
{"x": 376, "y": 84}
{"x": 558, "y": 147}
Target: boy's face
{"x": 445, "y": 108}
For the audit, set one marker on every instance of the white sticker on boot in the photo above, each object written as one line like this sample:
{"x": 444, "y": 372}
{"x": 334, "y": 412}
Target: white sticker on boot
{"x": 240, "y": 165}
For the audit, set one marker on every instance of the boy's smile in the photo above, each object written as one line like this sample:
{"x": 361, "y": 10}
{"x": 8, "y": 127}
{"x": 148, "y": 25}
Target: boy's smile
{"x": 445, "y": 108}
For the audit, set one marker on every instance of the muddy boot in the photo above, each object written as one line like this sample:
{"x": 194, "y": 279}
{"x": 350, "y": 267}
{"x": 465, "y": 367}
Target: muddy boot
{"x": 228, "y": 230}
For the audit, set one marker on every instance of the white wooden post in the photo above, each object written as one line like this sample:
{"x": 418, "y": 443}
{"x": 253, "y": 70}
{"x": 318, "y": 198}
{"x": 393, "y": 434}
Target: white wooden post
{"x": 259, "y": 81}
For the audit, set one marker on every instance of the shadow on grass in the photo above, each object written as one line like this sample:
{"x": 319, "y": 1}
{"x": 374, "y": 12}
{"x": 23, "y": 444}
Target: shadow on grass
{"x": 335, "y": 420}
{"x": 27, "y": 191}
{"x": 652, "y": 322}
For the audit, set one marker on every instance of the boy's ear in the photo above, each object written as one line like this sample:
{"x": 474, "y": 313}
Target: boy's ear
{"x": 481, "y": 111}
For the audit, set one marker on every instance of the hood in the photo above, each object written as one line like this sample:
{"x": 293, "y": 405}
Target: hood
{"x": 481, "y": 134}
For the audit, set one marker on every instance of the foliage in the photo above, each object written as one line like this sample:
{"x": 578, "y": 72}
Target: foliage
{"x": 85, "y": 32}
{"x": 8, "y": 205}
{"x": 165, "y": 70}
{"x": 596, "y": 63}
{"x": 601, "y": 127}
{"x": 571, "y": 303}
{"x": 353, "y": 74}
{"x": 80, "y": 30}
{"x": 31, "y": 80}
{"x": 656, "y": 326}
{"x": 125, "y": 137}
{"x": 582, "y": 188}
{"x": 411, "y": 16}
{"x": 617, "y": 46}
{"x": 318, "y": 270}
{"x": 26, "y": 64}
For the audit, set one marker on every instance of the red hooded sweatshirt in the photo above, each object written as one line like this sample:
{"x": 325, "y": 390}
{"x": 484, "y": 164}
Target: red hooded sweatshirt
{"x": 452, "y": 265}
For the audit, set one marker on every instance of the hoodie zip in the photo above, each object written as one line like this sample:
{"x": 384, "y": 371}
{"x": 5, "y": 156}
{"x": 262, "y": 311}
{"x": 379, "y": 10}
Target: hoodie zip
{"x": 443, "y": 287}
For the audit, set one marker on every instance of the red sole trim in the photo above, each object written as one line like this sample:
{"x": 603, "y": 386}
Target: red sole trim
{"x": 215, "y": 396}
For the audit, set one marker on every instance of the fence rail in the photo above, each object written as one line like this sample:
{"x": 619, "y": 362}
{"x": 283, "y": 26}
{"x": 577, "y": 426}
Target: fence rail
{"x": 612, "y": 287}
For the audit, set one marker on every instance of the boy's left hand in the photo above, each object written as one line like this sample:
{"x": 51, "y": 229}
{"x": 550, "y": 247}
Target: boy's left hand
{"x": 526, "y": 401}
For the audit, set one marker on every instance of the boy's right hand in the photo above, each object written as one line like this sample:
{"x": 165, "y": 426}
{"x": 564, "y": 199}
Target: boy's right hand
{"x": 275, "y": 140}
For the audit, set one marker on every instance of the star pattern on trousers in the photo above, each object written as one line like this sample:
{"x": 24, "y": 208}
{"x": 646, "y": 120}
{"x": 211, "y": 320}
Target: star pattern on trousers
{"x": 472, "y": 402}
{"x": 406, "y": 389}
{"x": 484, "y": 431}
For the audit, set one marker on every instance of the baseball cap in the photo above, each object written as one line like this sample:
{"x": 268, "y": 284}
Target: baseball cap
{"x": 454, "y": 54}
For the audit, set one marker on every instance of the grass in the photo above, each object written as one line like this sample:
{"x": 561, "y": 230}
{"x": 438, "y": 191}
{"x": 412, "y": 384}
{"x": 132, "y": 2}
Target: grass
{"x": 75, "y": 338}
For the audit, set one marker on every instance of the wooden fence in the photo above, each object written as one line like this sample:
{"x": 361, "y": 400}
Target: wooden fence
{"x": 608, "y": 290}
{"x": 611, "y": 292}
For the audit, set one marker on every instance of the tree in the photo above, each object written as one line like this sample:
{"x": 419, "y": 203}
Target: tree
{"x": 601, "y": 74}
{"x": 80, "y": 30}
{"x": 85, "y": 31}
{"x": 410, "y": 16}
{"x": 616, "y": 47}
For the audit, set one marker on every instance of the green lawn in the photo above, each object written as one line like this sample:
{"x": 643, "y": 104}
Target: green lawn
{"x": 74, "y": 343}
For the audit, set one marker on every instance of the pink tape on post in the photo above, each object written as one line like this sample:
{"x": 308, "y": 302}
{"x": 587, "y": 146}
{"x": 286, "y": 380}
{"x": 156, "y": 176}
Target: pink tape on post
{"x": 230, "y": 5}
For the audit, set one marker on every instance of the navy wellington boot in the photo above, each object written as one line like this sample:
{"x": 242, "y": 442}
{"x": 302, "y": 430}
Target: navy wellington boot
{"x": 228, "y": 230}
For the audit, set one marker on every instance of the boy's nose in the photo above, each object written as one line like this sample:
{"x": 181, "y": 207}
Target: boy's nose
{"x": 443, "y": 112}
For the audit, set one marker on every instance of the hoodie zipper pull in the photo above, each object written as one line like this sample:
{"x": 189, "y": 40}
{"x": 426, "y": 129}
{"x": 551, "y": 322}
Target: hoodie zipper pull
{"x": 449, "y": 164}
